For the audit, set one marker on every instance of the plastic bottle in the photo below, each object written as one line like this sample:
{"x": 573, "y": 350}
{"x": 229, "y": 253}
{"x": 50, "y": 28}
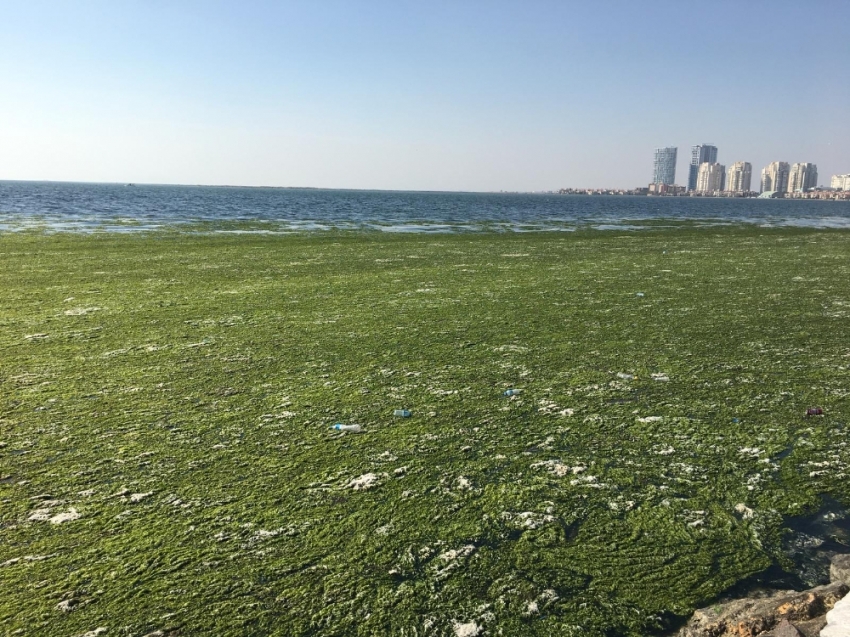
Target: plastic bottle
{"x": 512, "y": 392}
{"x": 352, "y": 428}
{"x": 404, "y": 413}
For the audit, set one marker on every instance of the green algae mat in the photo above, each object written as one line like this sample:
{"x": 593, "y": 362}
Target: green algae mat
{"x": 168, "y": 464}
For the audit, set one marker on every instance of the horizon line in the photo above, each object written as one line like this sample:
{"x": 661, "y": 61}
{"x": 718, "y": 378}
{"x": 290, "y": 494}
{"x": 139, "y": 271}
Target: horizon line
{"x": 144, "y": 183}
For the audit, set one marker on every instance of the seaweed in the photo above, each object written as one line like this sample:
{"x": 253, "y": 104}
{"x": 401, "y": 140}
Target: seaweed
{"x": 167, "y": 460}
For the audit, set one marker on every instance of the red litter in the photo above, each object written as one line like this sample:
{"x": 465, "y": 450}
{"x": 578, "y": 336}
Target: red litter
{"x": 814, "y": 411}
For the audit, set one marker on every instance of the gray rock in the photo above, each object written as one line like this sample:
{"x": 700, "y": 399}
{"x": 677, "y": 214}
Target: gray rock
{"x": 811, "y": 628}
{"x": 839, "y": 569}
{"x": 783, "y": 629}
{"x": 750, "y": 617}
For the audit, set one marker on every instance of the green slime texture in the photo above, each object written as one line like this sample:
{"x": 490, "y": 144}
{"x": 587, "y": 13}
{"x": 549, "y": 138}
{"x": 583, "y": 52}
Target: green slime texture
{"x": 167, "y": 461}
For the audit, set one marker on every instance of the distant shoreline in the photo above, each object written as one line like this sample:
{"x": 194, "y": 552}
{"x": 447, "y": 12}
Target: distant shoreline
{"x": 826, "y": 195}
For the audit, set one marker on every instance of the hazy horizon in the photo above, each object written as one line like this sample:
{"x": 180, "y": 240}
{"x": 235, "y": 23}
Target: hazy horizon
{"x": 397, "y": 96}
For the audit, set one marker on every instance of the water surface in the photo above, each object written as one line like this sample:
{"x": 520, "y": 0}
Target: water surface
{"x": 85, "y": 207}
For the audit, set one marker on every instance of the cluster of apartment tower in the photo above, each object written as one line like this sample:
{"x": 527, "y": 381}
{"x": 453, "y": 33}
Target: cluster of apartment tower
{"x": 707, "y": 176}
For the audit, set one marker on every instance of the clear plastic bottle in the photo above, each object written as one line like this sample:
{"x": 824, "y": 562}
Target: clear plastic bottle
{"x": 404, "y": 413}
{"x": 512, "y": 392}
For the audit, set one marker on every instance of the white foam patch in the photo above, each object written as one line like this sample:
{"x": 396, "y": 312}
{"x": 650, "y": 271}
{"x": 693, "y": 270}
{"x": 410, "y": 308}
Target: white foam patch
{"x": 364, "y": 482}
{"x": 470, "y": 629}
{"x": 68, "y": 516}
{"x": 81, "y": 311}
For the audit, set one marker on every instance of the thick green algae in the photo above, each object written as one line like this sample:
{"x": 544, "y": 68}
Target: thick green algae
{"x": 175, "y": 391}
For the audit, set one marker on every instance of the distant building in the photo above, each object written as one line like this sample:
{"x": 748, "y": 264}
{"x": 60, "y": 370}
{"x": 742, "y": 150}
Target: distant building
{"x": 665, "y": 189}
{"x": 774, "y": 177}
{"x": 739, "y": 177}
{"x": 664, "y": 171}
{"x": 711, "y": 177}
{"x": 840, "y": 182}
{"x": 803, "y": 176}
{"x": 700, "y": 155}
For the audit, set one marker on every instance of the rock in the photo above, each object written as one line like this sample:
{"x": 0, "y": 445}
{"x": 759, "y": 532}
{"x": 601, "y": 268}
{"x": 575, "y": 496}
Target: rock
{"x": 813, "y": 602}
{"x": 838, "y": 620}
{"x": 783, "y": 629}
{"x": 811, "y": 628}
{"x": 66, "y": 606}
{"x": 754, "y": 616}
{"x": 839, "y": 569}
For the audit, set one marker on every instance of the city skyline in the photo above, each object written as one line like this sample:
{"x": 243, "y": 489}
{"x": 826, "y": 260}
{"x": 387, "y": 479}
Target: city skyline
{"x": 707, "y": 175}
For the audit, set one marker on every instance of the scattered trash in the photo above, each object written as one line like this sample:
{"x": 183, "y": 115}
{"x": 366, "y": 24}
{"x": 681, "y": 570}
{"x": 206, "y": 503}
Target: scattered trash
{"x": 352, "y": 428}
{"x": 625, "y": 376}
{"x": 735, "y": 420}
{"x": 512, "y": 392}
{"x": 404, "y": 413}
{"x": 814, "y": 411}
{"x": 661, "y": 378}
{"x": 641, "y": 294}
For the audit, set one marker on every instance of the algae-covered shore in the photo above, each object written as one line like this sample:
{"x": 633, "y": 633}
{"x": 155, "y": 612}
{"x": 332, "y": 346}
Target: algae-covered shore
{"x": 167, "y": 462}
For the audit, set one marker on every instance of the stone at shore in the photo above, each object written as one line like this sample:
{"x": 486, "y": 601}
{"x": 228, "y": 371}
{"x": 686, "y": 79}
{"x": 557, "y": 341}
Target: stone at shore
{"x": 839, "y": 570}
{"x": 751, "y": 617}
{"x": 784, "y": 629}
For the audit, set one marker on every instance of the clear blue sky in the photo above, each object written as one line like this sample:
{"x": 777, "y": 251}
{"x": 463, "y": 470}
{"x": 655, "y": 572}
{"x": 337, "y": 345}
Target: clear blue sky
{"x": 454, "y": 95}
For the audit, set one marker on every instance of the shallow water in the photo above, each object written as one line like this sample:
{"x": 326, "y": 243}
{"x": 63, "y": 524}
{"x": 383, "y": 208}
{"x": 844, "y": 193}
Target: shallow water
{"x": 78, "y": 207}
{"x": 808, "y": 546}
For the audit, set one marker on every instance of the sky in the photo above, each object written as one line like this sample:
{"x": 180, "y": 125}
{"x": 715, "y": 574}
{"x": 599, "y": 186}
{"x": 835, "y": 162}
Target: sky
{"x": 440, "y": 95}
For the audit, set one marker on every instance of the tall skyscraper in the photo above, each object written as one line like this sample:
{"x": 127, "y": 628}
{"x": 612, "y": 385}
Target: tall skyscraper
{"x": 774, "y": 177}
{"x": 803, "y": 176}
{"x": 739, "y": 177}
{"x": 840, "y": 182}
{"x": 711, "y": 177}
{"x": 665, "y": 166}
{"x": 699, "y": 155}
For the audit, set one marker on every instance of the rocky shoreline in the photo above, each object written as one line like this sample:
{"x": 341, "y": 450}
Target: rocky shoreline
{"x": 822, "y": 611}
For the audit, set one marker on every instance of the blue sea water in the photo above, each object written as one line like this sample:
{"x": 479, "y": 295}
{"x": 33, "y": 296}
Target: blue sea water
{"x": 85, "y": 207}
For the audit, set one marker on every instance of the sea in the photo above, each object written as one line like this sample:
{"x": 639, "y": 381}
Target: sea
{"x": 90, "y": 207}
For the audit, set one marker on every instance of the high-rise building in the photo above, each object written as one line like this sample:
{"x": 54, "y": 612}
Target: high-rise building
{"x": 711, "y": 177}
{"x": 840, "y": 182}
{"x": 774, "y": 177}
{"x": 665, "y": 166}
{"x": 803, "y": 176}
{"x": 700, "y": 155}
{"x": 739, "y": 177}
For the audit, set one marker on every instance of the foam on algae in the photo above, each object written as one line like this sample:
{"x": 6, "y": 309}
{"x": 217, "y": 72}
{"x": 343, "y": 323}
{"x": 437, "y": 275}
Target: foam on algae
{"x": 167, "y": 461}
